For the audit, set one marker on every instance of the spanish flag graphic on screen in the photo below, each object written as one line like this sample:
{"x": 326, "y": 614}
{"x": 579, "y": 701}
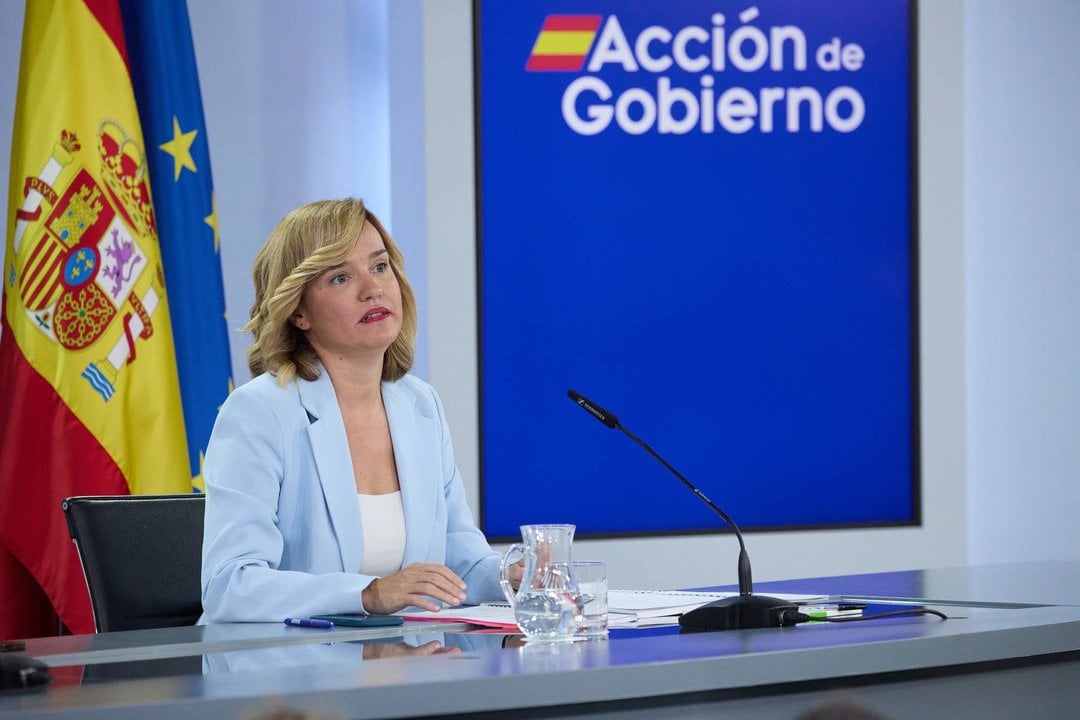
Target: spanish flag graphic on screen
{"x": 91, "y": 353}
{"x": 563, "y": 42}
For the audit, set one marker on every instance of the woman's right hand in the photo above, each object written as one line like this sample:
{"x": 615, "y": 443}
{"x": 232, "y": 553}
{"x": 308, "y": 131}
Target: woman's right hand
{"x": 417, "y": 585}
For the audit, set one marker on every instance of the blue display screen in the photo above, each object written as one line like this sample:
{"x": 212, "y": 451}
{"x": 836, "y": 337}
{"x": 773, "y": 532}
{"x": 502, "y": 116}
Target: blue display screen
{"x": 701, "y": 216}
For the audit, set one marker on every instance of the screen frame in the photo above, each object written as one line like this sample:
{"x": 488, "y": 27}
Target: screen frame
{"x": 914, "y": 325}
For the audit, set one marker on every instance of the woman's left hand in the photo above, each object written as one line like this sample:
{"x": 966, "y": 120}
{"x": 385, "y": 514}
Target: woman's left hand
{"x": 417, "y": 585}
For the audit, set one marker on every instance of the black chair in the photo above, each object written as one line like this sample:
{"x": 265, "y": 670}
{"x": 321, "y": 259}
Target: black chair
{"x": 142, "y": 558}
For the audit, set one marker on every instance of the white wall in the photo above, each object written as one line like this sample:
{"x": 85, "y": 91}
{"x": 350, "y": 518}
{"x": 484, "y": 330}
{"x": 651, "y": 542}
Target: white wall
{"x": 332, "y": 98}
{"x": 1023, "y": 278}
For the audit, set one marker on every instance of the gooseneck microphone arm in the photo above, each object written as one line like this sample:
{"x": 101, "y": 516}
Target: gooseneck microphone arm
{"x": 746, "y": 583}
{"x": 745, "y": 611}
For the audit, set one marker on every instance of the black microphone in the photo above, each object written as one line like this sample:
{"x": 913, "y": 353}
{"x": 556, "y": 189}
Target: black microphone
{"x": 734, "y": 613}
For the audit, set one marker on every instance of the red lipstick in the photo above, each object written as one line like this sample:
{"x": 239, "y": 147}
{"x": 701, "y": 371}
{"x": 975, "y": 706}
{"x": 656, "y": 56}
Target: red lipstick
{"x": 375, "y": 315}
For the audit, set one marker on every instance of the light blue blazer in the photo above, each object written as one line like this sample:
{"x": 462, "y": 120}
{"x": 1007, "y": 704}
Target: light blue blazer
{"x": 282, "y": 535}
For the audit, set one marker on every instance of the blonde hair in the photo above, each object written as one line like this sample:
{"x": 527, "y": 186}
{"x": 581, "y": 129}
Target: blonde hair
{"x": 308, "y": 241}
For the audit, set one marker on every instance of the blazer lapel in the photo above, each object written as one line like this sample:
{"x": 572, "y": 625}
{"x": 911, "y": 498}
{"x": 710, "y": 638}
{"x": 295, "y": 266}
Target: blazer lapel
{"x": 417, "y": 455}
{"x": 326, "y": 432}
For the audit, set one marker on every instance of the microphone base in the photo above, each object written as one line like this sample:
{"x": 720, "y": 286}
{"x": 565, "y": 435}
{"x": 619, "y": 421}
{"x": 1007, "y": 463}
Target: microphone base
{"x": 742, "y": 612}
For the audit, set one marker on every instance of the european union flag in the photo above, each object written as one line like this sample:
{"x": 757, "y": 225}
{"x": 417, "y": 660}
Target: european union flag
{"x": 166, "y": 83}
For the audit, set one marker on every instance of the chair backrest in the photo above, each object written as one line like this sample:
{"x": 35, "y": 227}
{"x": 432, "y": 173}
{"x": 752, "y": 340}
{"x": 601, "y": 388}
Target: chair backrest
{"x": 142, "y": 557}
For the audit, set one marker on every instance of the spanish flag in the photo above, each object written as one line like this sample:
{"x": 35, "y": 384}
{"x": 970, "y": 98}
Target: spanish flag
{"x": 563, "y": 43}
{"x": 89, "y": 367}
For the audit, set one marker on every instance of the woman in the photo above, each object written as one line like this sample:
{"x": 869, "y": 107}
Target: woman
{"x": 330, "y": 478}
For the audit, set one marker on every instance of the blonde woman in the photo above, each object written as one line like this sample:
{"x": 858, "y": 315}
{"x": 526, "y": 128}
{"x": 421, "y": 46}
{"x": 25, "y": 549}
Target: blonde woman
{"x": 330, "y": 478}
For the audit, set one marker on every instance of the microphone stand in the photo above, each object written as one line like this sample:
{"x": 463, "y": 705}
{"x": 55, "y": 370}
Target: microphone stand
{"x": 741, "y": 612}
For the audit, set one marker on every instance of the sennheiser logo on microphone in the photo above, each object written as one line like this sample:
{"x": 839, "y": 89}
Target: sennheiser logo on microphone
{"x": 599, "y": 415}
{"x": 595, "y": 410}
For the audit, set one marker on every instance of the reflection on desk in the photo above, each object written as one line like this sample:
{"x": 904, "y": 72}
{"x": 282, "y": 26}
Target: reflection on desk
{"x": 268, "y": 657}
{"x": 350, "y": 652}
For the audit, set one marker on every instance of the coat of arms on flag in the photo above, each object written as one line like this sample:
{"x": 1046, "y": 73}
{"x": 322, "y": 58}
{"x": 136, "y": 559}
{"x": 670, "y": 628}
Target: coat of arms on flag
{"x": 79, "y": 261}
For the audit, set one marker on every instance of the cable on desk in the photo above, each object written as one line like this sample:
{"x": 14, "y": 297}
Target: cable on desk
{"x": 798, "y": 617}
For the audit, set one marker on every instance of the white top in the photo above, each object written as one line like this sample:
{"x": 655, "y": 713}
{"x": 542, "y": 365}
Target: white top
{"x": 383, "y": 521}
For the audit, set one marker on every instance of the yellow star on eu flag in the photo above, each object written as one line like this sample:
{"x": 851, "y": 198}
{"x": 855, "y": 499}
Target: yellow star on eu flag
{"x": 197, "y": 481}
{"x": 180, "y": 149}
{"x": 211, "y": 220}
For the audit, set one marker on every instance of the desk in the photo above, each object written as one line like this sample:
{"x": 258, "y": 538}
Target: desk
{"x": 1003, "y": 655}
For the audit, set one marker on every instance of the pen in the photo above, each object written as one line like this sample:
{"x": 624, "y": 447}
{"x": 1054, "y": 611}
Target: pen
{"x": 840, "y": 607}
{"x": 818, "y": 611}
{"x": 309, "y": 622}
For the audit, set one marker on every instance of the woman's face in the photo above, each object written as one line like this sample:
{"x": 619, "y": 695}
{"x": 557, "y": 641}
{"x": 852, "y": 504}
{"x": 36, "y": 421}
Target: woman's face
{"x": 353, "y": 311}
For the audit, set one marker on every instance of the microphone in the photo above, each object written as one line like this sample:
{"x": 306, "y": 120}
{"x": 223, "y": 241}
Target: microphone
{"x": 744, "y": 611}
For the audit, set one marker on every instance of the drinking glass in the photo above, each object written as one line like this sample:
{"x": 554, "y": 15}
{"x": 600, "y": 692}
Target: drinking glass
{"x": 591, "y": 578}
